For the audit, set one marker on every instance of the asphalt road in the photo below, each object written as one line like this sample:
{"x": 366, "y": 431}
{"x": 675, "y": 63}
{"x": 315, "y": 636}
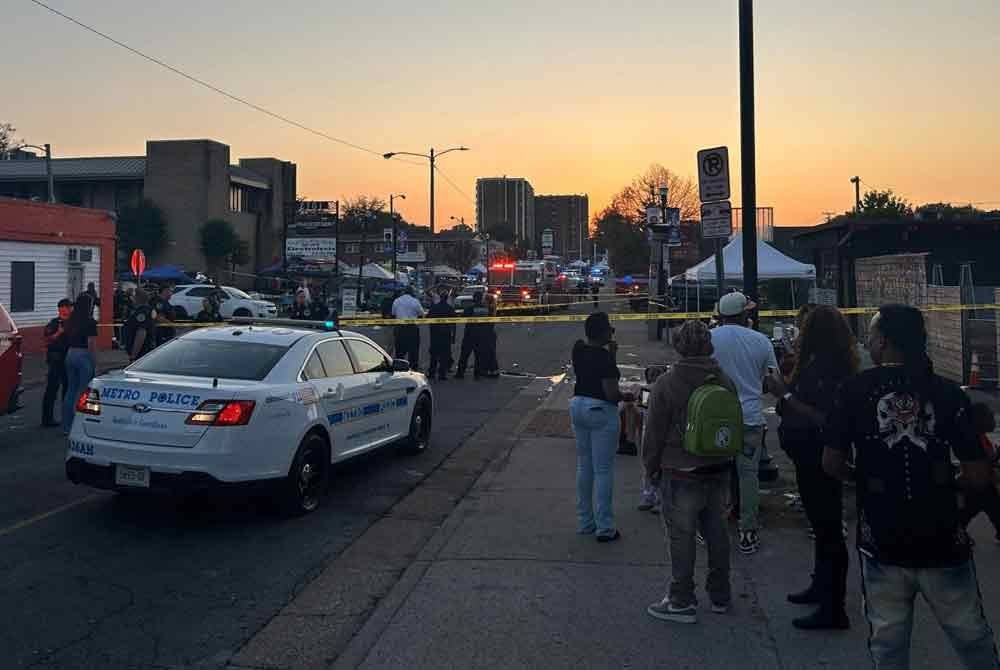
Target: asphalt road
{"x": 96, "y": 580}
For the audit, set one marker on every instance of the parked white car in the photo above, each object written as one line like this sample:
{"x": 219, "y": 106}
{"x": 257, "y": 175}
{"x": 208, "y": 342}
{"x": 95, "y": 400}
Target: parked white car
{"x": 187, "y": 302}
{"x": 246, "y": 405}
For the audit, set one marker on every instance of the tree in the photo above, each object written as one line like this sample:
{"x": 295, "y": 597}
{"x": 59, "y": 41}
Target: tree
{"x": 461, "y": 254}
{"x": 682, "y": 192}
{"x": 142, "y": 226}
{"x": 884, "y": 205}
{"x": 624, "y": 238}
{"x": 946, "y": 211}
{"x": 7, "y": 140}
{"x": 221, "y": 245}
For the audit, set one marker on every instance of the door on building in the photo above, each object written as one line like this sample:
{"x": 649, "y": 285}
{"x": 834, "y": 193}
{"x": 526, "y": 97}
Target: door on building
{"x": 74, "y": 284}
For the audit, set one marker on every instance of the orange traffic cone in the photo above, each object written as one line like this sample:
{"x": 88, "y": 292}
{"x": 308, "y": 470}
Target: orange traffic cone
{"x": 974, "y": 371}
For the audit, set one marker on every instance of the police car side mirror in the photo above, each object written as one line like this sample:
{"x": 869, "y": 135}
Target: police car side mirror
{"x": 400, "y": 365}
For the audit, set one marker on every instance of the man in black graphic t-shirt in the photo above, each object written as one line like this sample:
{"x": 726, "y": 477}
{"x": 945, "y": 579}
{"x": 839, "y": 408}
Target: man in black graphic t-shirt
{"x": 905, "y": 424}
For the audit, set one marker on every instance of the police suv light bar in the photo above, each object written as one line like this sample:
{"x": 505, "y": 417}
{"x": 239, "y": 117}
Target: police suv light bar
{"x": 329, "y": 324}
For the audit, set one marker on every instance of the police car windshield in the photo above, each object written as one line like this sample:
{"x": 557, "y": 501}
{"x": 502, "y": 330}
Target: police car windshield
{"x": 236, "y": 293}
{"x": 212, "y": 358}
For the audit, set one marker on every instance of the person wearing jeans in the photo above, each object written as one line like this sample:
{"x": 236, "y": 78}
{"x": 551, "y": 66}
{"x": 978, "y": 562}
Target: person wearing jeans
{"x": 905, "y": 425}
{"x": 745, "y": 356}
{"x": 694, "y": 490}
{"x": 595, "y": 424}
{"x": 81, "y": 343}
{"x": 594, "y": 414}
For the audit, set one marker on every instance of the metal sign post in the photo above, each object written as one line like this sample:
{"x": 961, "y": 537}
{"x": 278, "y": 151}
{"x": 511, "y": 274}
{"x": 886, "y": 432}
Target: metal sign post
{"x": 716, "y": 211}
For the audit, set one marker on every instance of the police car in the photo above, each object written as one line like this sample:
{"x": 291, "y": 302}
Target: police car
{"x": 271, "y": 403}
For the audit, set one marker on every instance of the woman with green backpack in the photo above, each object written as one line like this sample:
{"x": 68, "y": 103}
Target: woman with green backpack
{"x": 694, "y": 427}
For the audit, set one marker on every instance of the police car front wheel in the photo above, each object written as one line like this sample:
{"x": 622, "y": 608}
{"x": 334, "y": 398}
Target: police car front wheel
{"x": 307, "y": 479}
{"x": 419, "y": 437}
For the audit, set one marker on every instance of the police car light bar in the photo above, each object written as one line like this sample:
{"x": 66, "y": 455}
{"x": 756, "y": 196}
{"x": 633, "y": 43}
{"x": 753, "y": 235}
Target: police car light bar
{"x": 329, "y": 324}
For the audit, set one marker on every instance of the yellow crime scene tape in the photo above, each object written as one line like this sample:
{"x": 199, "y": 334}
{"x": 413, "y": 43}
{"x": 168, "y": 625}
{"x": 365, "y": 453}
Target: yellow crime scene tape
{"x": 364, "y": 321}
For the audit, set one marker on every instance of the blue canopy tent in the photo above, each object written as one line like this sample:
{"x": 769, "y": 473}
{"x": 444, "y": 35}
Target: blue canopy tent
{"x": 161, "y": 273}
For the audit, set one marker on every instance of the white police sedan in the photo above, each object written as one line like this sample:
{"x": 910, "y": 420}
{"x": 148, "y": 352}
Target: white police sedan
{"x": 253, "y": 403}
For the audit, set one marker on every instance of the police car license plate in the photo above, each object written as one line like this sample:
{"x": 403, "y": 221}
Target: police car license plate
{"x": 130, "y": 475}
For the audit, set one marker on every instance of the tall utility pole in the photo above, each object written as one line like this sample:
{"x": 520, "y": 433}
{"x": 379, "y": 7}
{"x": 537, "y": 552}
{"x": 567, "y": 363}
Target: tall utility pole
{"x": 748, "y": 151}
{"x": 395, "y": 229}
{"x": 857, "y": 194}
{"x": 336, "y": 240}
{"x": 431, "y": 157}
{"x": 361, "y": 263}
{"x": 48, "y": 172}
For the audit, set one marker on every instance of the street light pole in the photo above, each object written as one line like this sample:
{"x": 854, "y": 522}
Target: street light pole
{"x": 47, "y": 148}
{"x": 857, "y": 194}
{"x": 395, "y": 230}
{"x": 48, "y": 172}
{"x": 432, "y": 189}
{"x": 432, "y": 158}
{"x": 748, "y": 151}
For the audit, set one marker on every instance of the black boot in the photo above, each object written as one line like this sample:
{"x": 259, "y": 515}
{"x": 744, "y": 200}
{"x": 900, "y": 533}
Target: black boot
{"x": 810, "y": 596}
{"x": 825, "y": 618}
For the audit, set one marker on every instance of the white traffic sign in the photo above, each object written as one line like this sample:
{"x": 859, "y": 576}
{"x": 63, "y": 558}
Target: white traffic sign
{"x": 716, "y": 219}
{"x": 713, "y": 174}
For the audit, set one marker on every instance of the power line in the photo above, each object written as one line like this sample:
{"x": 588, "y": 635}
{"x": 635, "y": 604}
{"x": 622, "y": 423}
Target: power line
{"x": 211, "y": 87}
{"x": 455, "y": 186}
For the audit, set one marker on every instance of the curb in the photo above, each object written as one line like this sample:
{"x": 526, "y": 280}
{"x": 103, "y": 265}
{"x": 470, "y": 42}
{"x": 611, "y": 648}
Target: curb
{"x": 343, "y": 610}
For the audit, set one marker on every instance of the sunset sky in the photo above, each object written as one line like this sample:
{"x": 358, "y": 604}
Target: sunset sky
{"x": 577, "y": 97}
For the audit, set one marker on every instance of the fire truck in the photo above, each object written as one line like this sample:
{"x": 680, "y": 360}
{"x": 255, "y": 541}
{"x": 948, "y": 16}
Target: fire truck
{"x": 522, "y": 283}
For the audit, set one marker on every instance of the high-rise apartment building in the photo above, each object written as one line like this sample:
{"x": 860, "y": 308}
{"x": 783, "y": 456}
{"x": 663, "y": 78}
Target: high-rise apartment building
{"x": 568, "y": 217}
{"x": 506, "y": 201}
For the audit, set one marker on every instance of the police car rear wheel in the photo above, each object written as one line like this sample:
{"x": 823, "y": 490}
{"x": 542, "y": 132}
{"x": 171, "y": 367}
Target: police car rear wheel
{"x": 419, "y": 437}
{"x": 308, "y": 477}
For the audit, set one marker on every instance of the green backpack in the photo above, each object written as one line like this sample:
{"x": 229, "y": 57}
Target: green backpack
{"x": 714, "y": 421}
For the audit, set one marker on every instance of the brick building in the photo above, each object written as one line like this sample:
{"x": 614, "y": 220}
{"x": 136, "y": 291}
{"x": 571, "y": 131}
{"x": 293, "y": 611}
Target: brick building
{"x": 50, "y": 252}
{"x": 506, "y": 201}
{"x": 192, "y": 181}
{"x": 568, "y": 217}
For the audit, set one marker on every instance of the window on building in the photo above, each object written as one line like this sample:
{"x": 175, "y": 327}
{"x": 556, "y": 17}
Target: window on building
{"x": 235, "y": 198}
{"x": 352, "y": 248}
{"x": 22, "y": 286}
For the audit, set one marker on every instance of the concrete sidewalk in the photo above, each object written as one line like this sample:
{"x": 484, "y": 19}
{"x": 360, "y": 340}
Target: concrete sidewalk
{"x": 506, "y": 583}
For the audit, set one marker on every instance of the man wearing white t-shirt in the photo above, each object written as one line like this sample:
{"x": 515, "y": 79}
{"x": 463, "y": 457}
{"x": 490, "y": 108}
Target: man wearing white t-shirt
{"x": 745, "y": 356}
{"x": 408, "y": 336}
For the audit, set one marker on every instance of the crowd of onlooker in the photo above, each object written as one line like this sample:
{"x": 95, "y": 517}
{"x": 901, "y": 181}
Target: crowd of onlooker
{"x": 911, "y": 443}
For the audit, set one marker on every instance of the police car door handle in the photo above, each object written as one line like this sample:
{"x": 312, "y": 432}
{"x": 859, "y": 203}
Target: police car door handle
{"x": 378, "y": 383}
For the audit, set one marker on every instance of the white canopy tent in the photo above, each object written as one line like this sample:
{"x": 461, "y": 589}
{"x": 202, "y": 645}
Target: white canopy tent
{"x": 771, "y": 264}
{"x": 444, "y": 271}
{"x": 375, "y": 271}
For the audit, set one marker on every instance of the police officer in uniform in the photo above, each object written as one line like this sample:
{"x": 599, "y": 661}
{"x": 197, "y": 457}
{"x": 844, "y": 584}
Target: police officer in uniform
{"x": 442, "y": 336}
{"x": 164, "y": 314}
{"x": 140, "y": 328}
{"x": 302, "y": 308}
{"x": 472, "y": 336}
{"x": 55, "y": 357}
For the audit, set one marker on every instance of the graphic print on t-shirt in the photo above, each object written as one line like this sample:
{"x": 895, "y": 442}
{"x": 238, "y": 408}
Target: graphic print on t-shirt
{"x": 901, "y": 415}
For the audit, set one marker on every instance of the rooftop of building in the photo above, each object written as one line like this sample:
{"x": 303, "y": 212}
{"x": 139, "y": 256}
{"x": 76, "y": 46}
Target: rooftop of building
{"x": 102, "y": 168}
{"x": 69, "y": 169}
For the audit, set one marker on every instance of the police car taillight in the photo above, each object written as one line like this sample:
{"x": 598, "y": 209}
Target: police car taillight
{"x": 222, "y": 413}
{"x": 89, "y": 402}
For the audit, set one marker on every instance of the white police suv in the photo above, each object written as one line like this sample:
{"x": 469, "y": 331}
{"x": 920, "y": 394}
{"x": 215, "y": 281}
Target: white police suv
{"x": 263, "y": 403}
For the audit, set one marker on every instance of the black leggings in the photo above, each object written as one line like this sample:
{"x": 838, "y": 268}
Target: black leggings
{"x": 823, "y": 499}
